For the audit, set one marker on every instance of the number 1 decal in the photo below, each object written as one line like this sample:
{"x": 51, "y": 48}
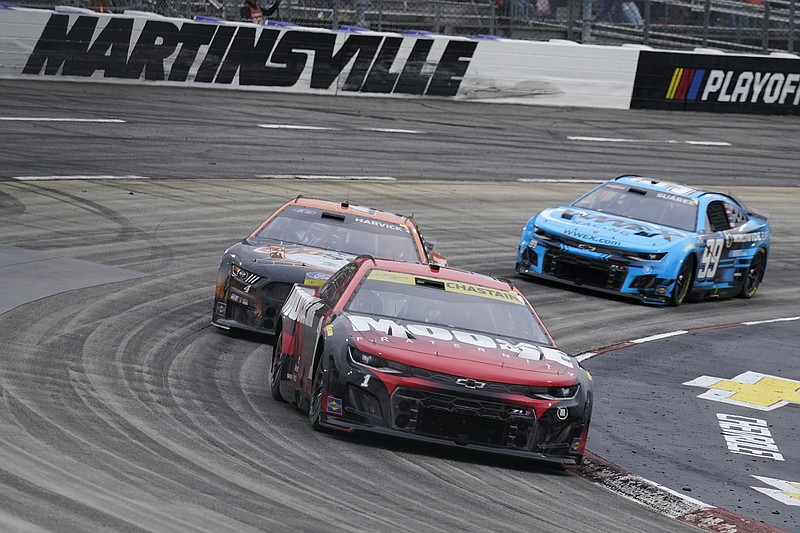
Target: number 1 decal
{"x": 365, "y": 382}
{"x": 711, "y": 253}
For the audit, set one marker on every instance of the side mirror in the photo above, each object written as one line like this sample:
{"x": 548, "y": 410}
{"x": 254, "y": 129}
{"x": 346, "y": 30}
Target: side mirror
{"x": 437, "y": 259}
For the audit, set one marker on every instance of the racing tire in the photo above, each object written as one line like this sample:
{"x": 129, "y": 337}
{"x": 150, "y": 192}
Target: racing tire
{"x": 276, "y": 368}
{"x": 315, "y": 404}
{"x": 683, "y": 282}
{"x": 754, "y": 274}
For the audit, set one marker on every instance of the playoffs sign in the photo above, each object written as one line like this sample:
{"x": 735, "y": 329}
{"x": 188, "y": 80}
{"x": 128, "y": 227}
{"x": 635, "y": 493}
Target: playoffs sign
{"x": 721, "y": 83}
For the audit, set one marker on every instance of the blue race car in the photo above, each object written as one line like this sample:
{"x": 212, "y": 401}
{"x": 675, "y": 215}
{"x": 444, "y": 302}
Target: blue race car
{"x": 655, "y": 241}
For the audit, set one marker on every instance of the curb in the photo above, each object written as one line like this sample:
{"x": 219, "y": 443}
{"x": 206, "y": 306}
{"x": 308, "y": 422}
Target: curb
{"x": 658, "y": 497}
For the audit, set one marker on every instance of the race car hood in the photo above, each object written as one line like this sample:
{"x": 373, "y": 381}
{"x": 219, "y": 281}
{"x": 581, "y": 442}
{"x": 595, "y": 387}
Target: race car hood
{"x": 471, "y": 354}
{"x": 601, "y": 229}
{"x": 259, "y": 257}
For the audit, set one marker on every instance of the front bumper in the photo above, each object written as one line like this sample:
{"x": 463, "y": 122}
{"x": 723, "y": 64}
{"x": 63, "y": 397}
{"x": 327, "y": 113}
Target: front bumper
{"x": 497, "y": 422}
{"x": 641, "y": 281}
{"x": 250, "y": 307}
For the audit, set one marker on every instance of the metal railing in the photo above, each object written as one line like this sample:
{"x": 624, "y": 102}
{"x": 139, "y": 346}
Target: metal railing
{"x": 732, "y": 25}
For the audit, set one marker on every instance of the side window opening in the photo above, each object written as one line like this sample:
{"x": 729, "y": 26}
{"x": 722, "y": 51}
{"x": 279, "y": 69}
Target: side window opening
{"x": 716, "y": 218}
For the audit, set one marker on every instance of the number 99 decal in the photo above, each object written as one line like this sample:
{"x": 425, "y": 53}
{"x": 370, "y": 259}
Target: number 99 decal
{"x": 710, "y": 261}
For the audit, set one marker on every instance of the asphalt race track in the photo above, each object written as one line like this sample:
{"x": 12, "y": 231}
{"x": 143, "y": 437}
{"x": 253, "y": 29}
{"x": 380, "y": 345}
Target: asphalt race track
{"x": 124, "y": 409}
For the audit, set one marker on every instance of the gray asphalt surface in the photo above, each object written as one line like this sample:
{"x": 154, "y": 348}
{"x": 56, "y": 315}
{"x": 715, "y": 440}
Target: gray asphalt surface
{"x": 647, "y": 420}
{"x": 198, "y": 133}
{"x": 124, "y": 409}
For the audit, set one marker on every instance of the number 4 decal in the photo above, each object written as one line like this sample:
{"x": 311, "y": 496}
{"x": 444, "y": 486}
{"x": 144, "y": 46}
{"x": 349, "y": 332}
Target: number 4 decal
{"x": 711, "y": 253}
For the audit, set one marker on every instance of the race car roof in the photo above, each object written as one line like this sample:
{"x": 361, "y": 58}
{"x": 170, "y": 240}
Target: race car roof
{"x": 435, "y": 271}
{"x": 346, "y": 207}
{"x": 668, "y": 187}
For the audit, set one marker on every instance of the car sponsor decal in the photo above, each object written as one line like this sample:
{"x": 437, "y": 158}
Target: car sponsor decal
{"x": 315, "y": 279}
{"x": 333, "y": 405}
{"x": 750, "y": 389}
{"x": 449, "y": 286}
{"x": 575, "y": 446}
{"x": 248, "y": 55}
{"x": 609, "y": 223}
{"x": 314, "y": 258}
{"x": 735, "y": 238}
{"x": 220, "y": 308}
{"x": 787, "y": 492}
{"x": 426, "y": 333}
{"x": 301, "y": 306}
{"x": 304, "y": 211}
{"x": 745, "y": 435}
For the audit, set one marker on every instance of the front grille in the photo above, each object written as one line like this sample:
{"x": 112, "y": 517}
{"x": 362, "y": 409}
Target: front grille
{"x": 464, "y": 420}
{"x": 276, "y": 291}
{"x": 454, "y": 425}
{"x": 529, "y": 257}
{"x": 584, "y": 271}
{"x": 450, "y": 379}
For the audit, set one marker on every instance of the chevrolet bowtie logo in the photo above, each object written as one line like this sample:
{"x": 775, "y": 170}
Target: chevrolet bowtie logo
{"x": 750, "y": 389}
{"x": 471, "y": 383}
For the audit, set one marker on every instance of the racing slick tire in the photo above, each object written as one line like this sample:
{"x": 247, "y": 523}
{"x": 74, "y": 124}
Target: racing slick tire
{"x": 276, "y": 368}
{"x": 683, "y": 282}
{"x": 315, "y": 403}
{"x": 754, "y": 274}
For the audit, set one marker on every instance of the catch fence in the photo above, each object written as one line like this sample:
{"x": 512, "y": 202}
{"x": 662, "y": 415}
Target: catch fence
{"x": 731, "y": 25}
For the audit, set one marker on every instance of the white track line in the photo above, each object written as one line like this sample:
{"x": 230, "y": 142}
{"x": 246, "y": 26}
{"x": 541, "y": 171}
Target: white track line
{"x": 324, "y": 177}
{"x": 646, "y": 141}
{"x": 51, "y": 178}
{"x": 557, "y": 180}
{"x": 44, "y": 119}
{"x": 392, "y": 130}
{"x": 295, "y": 127}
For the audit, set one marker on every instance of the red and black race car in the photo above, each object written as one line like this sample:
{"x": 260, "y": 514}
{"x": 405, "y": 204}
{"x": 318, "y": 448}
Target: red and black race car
{"x": 434, "y": 354}
{"x": 305, "y": 241}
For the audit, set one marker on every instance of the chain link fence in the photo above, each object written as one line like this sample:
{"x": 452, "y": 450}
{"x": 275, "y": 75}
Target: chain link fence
{"x": 733, "y": 25}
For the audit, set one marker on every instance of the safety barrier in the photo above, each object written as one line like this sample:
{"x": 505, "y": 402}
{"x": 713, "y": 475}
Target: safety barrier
{"x": 145, "y": 48}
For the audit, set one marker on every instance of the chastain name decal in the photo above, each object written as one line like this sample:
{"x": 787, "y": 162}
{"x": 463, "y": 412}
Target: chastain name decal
{"x": 222, "y": 53}
{"x": 524, "y": 350}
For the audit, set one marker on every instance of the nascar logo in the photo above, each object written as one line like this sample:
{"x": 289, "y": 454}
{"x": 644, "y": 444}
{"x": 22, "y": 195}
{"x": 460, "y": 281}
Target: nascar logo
{"x": 717, "y": 85}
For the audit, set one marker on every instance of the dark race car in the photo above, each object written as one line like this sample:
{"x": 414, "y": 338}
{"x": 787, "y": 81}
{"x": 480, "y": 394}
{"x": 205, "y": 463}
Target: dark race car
{"x": 432, "y": 354}
{"x": 656, "y": 241}
{"x": 305, "y": 241}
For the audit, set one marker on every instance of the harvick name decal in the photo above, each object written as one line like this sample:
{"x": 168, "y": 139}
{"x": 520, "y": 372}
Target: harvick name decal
{"x": 169, "y": 51}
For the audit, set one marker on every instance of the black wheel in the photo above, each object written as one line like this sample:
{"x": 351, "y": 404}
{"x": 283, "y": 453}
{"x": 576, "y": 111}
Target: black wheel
{"x": 683, "y": 283}
{"x": 315, "y": 405}
{"x": 276, "y": 368}
{"x": 754, "y": 274}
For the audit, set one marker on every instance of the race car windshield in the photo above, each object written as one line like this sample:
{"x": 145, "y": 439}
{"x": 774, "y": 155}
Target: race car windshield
{"x": 342, "y": 233}
{"x": 446, "y": 303}
{"x": 642, "y": 204}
